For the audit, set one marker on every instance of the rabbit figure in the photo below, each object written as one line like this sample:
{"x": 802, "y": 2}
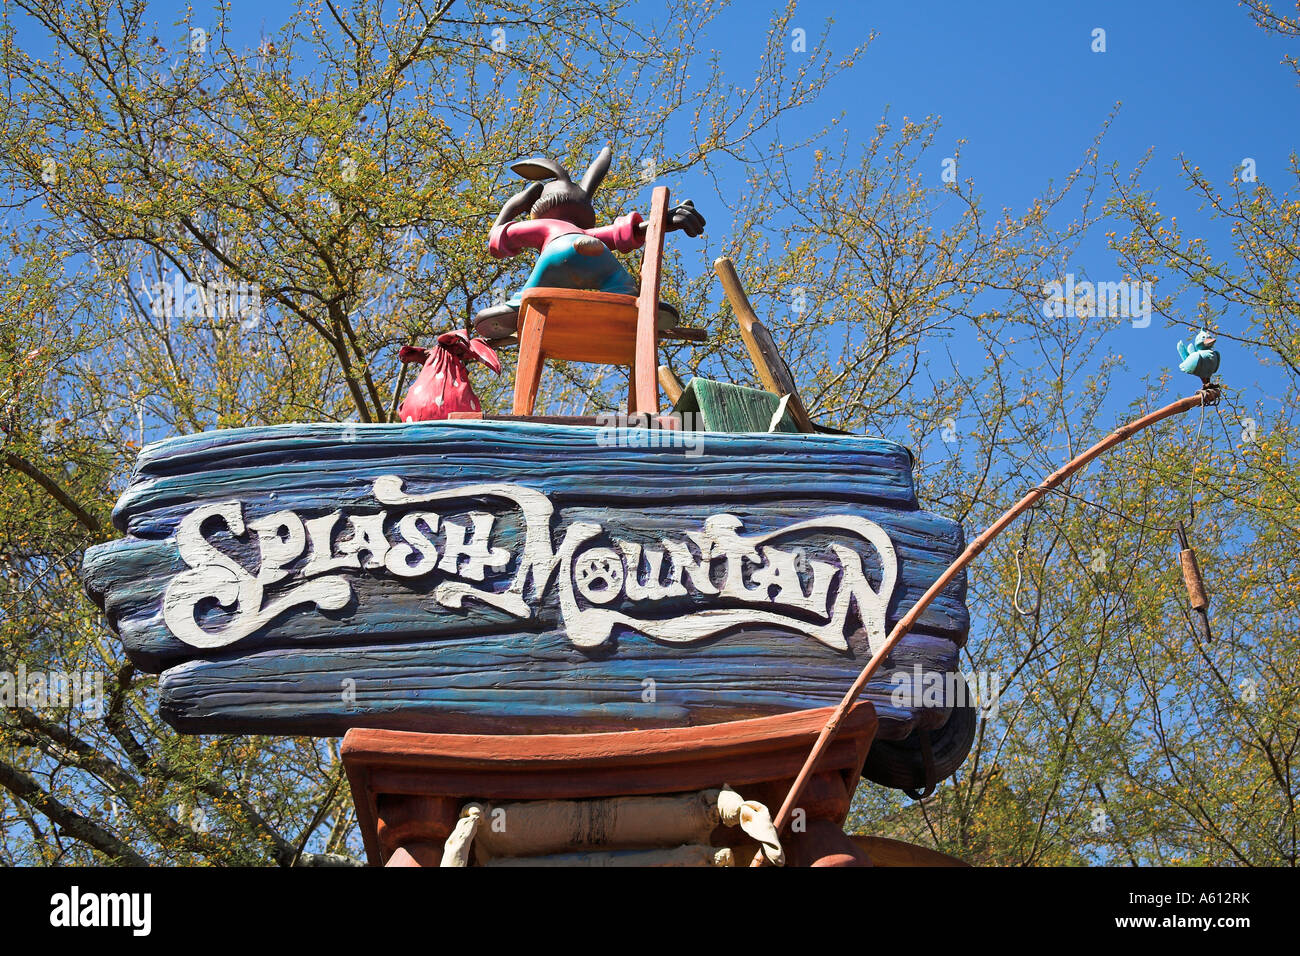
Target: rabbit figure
{"x": 1202, "y": 358}
{"x": 443, "y": 384}
{"x": 575, "y": 252}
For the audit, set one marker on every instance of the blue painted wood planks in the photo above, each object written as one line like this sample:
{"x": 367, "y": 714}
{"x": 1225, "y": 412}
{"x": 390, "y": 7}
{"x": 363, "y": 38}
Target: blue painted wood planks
{"x": 469, "y": 576}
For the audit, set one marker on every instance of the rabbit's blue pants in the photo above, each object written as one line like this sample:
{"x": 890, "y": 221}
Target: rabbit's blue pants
{"x": 562, "y": 266}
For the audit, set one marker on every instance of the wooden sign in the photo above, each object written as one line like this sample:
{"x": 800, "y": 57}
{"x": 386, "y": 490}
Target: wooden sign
{"x": 511, "y": 577}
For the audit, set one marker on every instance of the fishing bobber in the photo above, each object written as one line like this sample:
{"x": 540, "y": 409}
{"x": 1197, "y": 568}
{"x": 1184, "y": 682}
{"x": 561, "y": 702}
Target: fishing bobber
{"x": 1192, "y": 580}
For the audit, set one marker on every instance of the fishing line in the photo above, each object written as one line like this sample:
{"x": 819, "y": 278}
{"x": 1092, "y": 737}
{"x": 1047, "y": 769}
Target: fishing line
{"x": 1024, "y": 544}
{"x": 1191, "y": 468}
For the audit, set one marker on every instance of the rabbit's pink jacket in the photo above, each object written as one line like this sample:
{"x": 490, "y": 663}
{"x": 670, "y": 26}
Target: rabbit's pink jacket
{"x": 511, "y": 238}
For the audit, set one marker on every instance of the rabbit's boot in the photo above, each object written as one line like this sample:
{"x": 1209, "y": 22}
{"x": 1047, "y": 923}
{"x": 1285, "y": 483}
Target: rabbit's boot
{"x": 497, "y": 321}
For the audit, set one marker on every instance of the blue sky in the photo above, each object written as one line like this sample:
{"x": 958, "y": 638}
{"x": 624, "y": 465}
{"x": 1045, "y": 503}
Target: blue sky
{"x": 1019, "y": 82}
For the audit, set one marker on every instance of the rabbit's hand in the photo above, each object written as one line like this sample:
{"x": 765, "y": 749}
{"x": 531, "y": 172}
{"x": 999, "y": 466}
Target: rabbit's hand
{"x": 686, "y": 218}
{"x": 520, "y": 203}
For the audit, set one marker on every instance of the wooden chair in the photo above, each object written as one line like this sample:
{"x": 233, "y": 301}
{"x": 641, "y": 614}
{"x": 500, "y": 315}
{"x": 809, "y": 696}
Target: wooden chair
{"x": 577, "y": 325}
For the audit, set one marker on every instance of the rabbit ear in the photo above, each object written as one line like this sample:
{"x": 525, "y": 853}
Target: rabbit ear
{"x": 540, "y": 168}
{"x": 595, "y": 173}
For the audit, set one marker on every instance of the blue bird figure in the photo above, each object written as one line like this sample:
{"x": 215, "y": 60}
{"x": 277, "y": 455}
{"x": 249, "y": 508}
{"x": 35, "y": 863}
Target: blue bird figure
{"x": 1202, "y": 358}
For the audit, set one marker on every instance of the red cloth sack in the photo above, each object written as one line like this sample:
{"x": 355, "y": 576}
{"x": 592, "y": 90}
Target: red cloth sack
{"x": 443, "y": 386}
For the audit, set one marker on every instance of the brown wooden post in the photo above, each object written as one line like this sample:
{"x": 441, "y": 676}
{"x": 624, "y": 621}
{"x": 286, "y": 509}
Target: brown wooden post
{"x": 645, "y": 382}
{"x": 670, "y": 383}
{"x": 823, "y": 843}
{"x": 768, "y": 363}
{"x": 412, "y": 828}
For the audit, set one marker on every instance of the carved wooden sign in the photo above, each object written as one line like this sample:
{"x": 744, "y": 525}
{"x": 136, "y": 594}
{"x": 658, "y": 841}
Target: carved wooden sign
{"x": 590, "y": 576}
{"x": 501, "y": 576}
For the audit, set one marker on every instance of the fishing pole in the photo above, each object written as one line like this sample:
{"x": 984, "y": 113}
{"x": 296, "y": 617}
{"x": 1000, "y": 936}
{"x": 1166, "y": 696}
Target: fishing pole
{"x": 1207, "y": 395}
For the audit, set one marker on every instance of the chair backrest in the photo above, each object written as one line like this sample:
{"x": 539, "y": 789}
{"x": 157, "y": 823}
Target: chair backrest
{"x": 646, "y": 381}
